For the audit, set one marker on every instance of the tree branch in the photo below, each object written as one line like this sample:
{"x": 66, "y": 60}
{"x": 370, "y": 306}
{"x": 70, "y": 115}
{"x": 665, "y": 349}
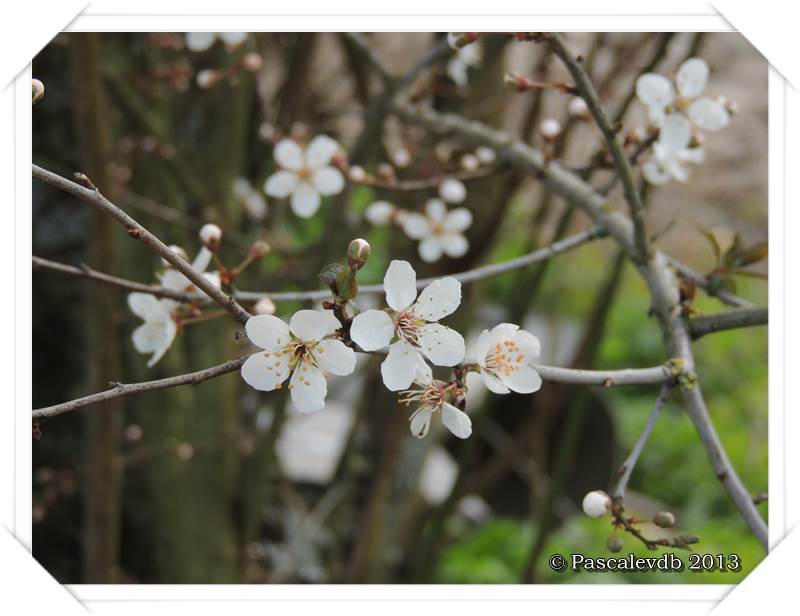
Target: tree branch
{"x": 701, "y": 281}
{"x": 135, "y": 230}
{"x": 732, "y": 319}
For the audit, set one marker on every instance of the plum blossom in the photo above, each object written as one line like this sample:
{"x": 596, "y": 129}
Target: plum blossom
{"x": 658, "y": 94}
{"x": 158, "y": 331}
{"x": 452, "y": 190}
{"x": 505, "y": 356}
{"x": 252, "y": 200}
{"x": 410, "y": 326}
{"x": 200, "y": 41}
{"x": 438, "y": 231}
{"x": 434, "y": 397}
{"x": 380, "y": 213}
{"x": 596, "y": 504}
{"x": 306, "y": 174}
{"x": 465, "y": 57}
{"x": 305, "y": 348}
{"x": 671, "y": 152}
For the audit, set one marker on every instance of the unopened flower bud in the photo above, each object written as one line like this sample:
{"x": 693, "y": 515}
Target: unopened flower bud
{"x": 664, "y": 519}
{"x": 37, "y": 88}
{"x": 266, "y": 131}
{"x": 178, "y": 251}
{"x": 452, "y": 190}
{"x": 550, "y": 129}
{"x": 515, "y": 82}
{"x": 264, "y": 306}
{"x": 356, "y": 174}
{"x": 614, "y": 544}
{"x": 210, "y": 235}
{"x": 596, "y": 504}
{"x": 379, "y": 213}
{"x": 579, "y": 109}
{"x": 401, "y": 158}
{"x": 259, "y": 249}
{"x": 457, "y": 40}
{"x": 470, "y": 162}
{"x": 486, "y": 155}
{"x": 358, "y": 253}
{"x": 207, "y": 78}
{"x": 252, "y": 61}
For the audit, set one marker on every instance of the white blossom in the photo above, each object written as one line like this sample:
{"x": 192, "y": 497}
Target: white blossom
{"x": 596, "y": 504}
{"x": 410, "y": 326}
{"x": 304, "y": 348}
{"x": 505, "y": 356}
{"x": 434, "y": 397}
{"x": 379, "y": 213}
{"x": 306, "y": 174}
{"x": 252, "y": 200}
{"x": 438, "y": 231}
{"x": 550, "y": 128}
{"x": 452, "y": 190}
{"x": 659, "y": 95}
{"x": 486, "y": 155}
{"x": 463, "y": 59}
{"x": 671, "y": 152}
{"x": 200, "y": 41}
{"x": 210, "y": 235}
{"x": 156, "y": 334}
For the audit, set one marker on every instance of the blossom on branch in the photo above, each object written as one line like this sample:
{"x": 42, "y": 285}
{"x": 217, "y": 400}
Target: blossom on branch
{"x": 306, "y": 174}
{"x": 671, "y": 152}
{"x": 305, "y": 348}
{"x": 433, "y": 397}
{"x": 410, "y": 326}
{"x": 438, "y": 231}
{"x": 658, "y": 94}
{"x": 505, "y": 356}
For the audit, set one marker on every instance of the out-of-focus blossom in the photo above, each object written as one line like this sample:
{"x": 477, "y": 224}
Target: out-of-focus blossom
{"x": 438, "y": 231}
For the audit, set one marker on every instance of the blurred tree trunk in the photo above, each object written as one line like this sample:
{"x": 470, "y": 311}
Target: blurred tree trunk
{"x": 102, "y": 485}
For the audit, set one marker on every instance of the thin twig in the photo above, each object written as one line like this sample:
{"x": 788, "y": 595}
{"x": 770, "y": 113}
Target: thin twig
{"x": 630, "y": 462}
{"x": 93, "y": 197}
{"x": 418, "y": 185}
{"x": 701, "y": 281}
{"x": 732, "y": 319}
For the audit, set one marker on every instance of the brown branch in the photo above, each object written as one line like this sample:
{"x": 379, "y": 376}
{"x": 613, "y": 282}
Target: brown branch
{"x": 93, "y": 197}
{"x": 732, "y": 319}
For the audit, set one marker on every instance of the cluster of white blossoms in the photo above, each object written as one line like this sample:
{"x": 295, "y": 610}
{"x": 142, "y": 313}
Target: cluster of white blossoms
{"x": 312, "y": 346}
{"x": 306, "y": 174}
{"x": 156, "y": 334}
{"x": 676, "y": 110}
{"x": 200, "y": 41}
{"x": 439, "y": 231}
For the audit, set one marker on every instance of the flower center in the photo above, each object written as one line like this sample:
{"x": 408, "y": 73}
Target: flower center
{"x": 304, "y": 174}
{"x": 432, "y": 397}
{"x": 438, "y": 229}
{"x": 407, "y": 325}
{"x": 299, "y": 352}
{"x": 505, "y": 358}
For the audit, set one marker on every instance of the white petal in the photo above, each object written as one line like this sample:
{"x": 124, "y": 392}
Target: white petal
{"x": 264, "y": 371}
{"x": 654, "y": 90}
{"x": 400, "y": 284}
{"x": 677, "y": 170}
{"x": 267, "y": 331}
{"x": 436, "y": 210}
{"x": 493, "y": 383}
{"x": 708, "y": 114}
{"x": 692, "y": 77}
{"x": 528, "y": 344}
{"x": 454, "y": 245}
{"x": 145, "y": 306}
{"x": 202, "y": 260}
{"x": 214, "y": 278}
{"x": 379, "y": 213}
{"x": 372, "y": 330}
{"x": 200, "y": 41}
{"x": 524, "y": 380}
{"x": 481, "y": 348}
{"x": 458, "y": 221}
{"x": 280, "y": 184}
{"x": 289, "y": 155}
{"x": 154, "y": 336}
{"x": 305, "y": 200}
{"x": 309, "y": 325}
{"x": 430, "y": 249}
{"x": 328, "y": 181}
{"x": 438, "y": 299}
{"x": 320, "y": 151}
{"x": 457, "y": 71}
{"x": 692, "y": 155}
{"x": 655, "y": 173}
{"x": 399, "y": 366}
{"x": 416, "y": 226}
{"x": 458, "y": 422}
{"x": 442, "y": 345}
{"x": 233, "y": 38}
{"x": 331, "y": 322}
{"x": 676, "y": 133}
{"x": 335, "y": 357}
{"x": 174, "y": 280}
{"x": 423, "y": 373}
{"x": 452, "y": 190}
{"x": 502, "y": 332}
{"x": 420, "y": 421}
{"x": 309, "y": 388}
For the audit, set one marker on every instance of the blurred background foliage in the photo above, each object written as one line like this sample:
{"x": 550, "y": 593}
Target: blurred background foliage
{"x": 219, "y": 483}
